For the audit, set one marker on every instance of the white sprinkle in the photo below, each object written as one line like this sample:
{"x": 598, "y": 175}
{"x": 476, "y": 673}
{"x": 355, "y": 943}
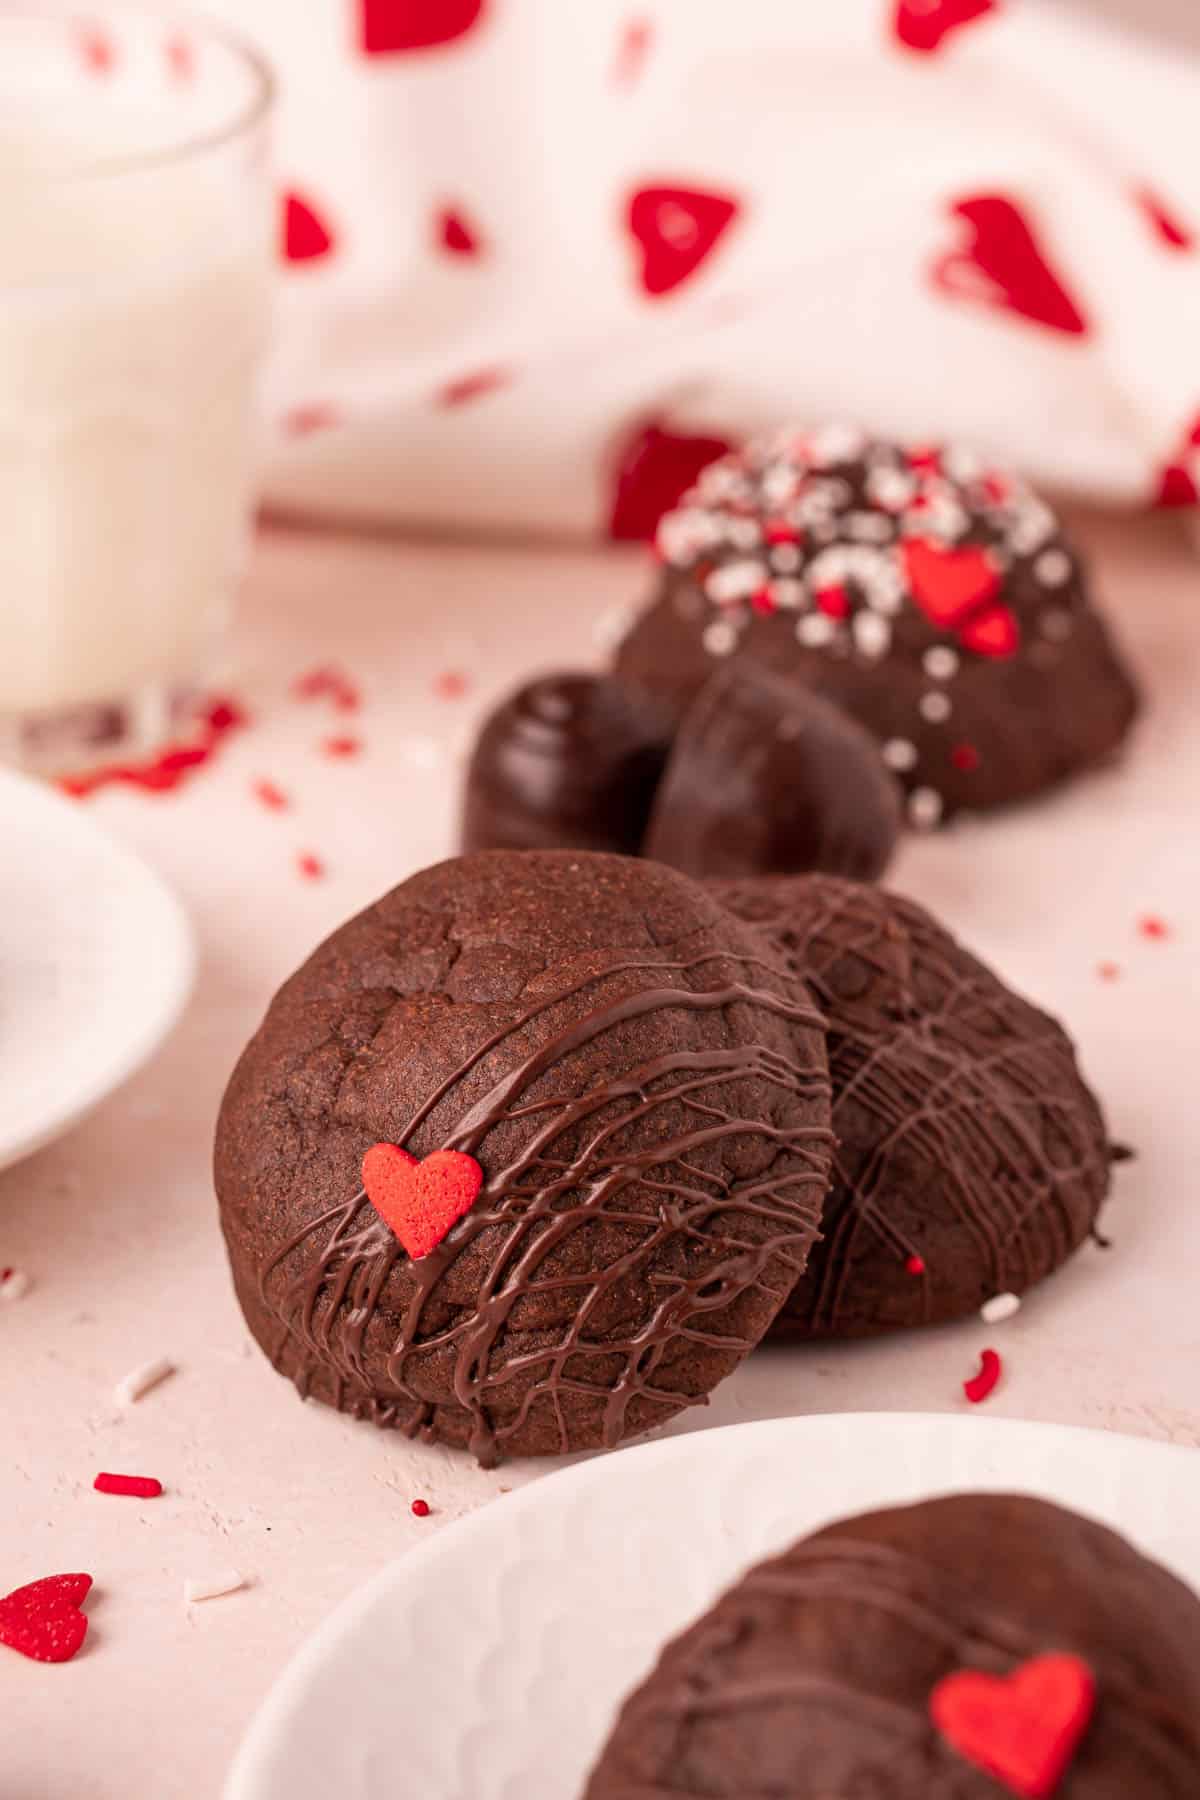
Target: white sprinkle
{"x": 836, "y": 443}
{"x": 1056, "y": 624}
{"x": 785, "y": 558}
{"x": 940, "y": 663}
{"x": 211, "y": 1587}
{"x": 15, "y": 1285}
{"x": 999, "y": 1308}
{"x": 868, "y": 527}
{"x": 719, "y": 638}
{"x": 872, "y": 635}
{"x": 789, "y": 594}
{"x": 924, "y": 808}
{"x": 736, "y": 580}
{"x": 935, "y": 708}
{"x": 899, "y": 754}
{"x": 816, "y": 630}
{"x": 611, "y": 627}
{"x": 132, "y": 1386}
{"x": 890, "y": 488}
{"x": 1053, "y": 568}
{"x": 744, "y": 534}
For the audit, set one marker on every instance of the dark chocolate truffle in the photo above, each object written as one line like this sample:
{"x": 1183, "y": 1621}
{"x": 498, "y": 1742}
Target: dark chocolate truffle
{"x": 933, "y": 598}
{"x": 568, "y": 761}
{"x": 766, "y": 778}
{"x": 966, "y": 1136}
{"x": 646, "y": 1092}
{"x": 814, "y": 1677}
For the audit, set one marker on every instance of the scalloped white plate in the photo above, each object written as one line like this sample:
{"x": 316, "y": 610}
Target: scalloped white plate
{"x": 488, "y": 1664}
{"x": 96, "y": 961}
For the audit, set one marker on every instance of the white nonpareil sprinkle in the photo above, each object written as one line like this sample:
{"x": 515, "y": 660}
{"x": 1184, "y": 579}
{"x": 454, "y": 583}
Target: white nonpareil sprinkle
{"x": 15, "y": 1285}
{"x": 999, "y": 1308}
{"x": 872, "y": 635}
{"x": 924, "y": 807}
{"x": 785, "y": 558}
{"x": 736, "y": 580}
{"x": 719, "y": 638}
{"x": 940, "y": 663}
{"x": 815, "y": 630}
{"x": 1053, "y": 568}
{"x": 139, "y": 1381}
{"x": 899, "y": 754}
{"x": 211, "y": 1587}
{"x": 935, "y": 708}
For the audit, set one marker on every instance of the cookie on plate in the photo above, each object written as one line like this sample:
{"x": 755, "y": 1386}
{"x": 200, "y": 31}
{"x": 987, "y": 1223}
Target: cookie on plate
{"x": 971, "y": 1158}
{"x": 970, "y": 1647}
{"x": 934, "y": 598}
{"x": 526, "y": 1156}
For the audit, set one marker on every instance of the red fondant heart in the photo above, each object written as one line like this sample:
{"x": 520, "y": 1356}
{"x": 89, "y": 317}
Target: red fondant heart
{"x": 922, "y": 24}
{"x": 948, "y": 585}
{"x": 655, "y": 470}
{"x": 1002, "y": 264}
{"x": 306, "y": 235}
{"x": 394, "y": 27}
{"x": 43, "y": 1620}
{"x": 420, "y": 1201}
{"x": 675, "y": 229}
{"x": 993, "y": 632}
{"x": 1024, "y": 1728}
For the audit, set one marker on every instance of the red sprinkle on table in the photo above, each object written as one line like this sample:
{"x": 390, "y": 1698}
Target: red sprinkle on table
{"x": 421, "y": 1509}
{"x": 915, "y": 1265}
{"x": 271, "y": 796}
{"x": 965, "y": 757}
{"x": 342, "y": 746}
{"x": 328, "y": 683}
{"x": 451, "y": 685}
{"x": 172, "y": 766}
{"x": 310, "y": 866}
{"x": 980, "y": 1386}
{"x": 139, "y": 1487}
{"x": 1152, "y": 927}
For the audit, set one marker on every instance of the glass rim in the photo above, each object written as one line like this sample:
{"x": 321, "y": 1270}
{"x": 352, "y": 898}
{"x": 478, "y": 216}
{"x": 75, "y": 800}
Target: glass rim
{"x": 244, "y": 121}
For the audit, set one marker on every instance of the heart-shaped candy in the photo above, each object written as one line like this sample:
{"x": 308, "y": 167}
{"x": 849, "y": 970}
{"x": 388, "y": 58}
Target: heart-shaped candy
{"x": 675, "y": 230}
{"x": 922, "y": 24}
{"x": 420, "y": 1200}
{"x": 43, "y": 1621}
{"x": 1022, "y": 1728}
{"x": 396, "y": 27}
{"x": 947, "y": 584}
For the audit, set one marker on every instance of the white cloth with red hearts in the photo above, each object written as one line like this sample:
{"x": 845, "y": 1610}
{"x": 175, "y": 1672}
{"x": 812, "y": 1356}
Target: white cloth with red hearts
{"x": 544, "y": 257}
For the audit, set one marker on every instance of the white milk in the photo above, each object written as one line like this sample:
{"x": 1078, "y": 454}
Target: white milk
{"x": 132, "y": 311}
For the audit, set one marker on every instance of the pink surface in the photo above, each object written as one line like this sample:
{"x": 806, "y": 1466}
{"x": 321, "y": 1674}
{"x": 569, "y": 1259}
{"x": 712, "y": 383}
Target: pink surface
{"x": 116, "y": 1224}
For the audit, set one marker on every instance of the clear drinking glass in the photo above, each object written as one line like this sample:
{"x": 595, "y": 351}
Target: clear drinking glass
{"x": 136, "y": 247}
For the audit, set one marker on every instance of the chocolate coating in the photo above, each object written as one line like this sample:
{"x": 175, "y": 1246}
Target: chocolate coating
{"x": 569, "y": 761}
{"x": 766, "y": 778}
{"x": 965, "y": 1132}
{"x": 811, "y": 1678}
{"x": 646, "y": 1090}
{"x": 937, "y": 602}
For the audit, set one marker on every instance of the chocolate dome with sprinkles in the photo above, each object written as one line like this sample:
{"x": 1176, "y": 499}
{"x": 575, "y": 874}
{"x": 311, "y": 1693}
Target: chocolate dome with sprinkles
{"x": 935, "y": 598}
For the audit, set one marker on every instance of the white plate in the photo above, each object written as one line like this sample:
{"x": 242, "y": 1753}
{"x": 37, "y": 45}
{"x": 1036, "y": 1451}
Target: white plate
{"x": 96, "y": 961}
{"x": 488, "y": 1664}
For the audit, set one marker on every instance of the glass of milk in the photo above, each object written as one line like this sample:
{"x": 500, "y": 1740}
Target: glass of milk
{"x": 136, "y": 246}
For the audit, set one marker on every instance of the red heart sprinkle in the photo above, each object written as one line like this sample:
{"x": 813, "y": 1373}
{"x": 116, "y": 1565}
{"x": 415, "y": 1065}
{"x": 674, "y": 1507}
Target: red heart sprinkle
{"x": 1000, "y": 262}
{"x": 922, "y": 24}
{"x": 675, "y": 230}
{"x": 949, "y": 584}
{"x": 398, "y": 27}
{"x": 655, "y": 468}
{"x": 1023, "y": 1728}
{"x": 420, "y": 1200}
{"x": 43, "y": 1621}
{"x": 306, "y": 235}
{"x": 994, "y": 632}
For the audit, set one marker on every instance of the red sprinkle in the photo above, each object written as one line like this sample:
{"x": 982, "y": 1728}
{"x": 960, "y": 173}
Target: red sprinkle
{"x": 1152, "y": 927}
{"x": 302, "y": 421}
{"x": 141, "y": 1487}
{"x": 272, "y": 797}
{"x": 172, "y": 766}
{"x": 310, "y": 866}
{"x": 763, "y": 602}
{"x": 328, "y": 683}
{"x": 451, "y": 685}
{"x": 980, "y": 1386}
{"x": 1108, "y": 971}
{"x": 472, "y": 386}
{"x": 342, "y": 746}
{"x": 834, "y": 602}
{"x": 965, "y": 757}
{"x": 915, "y": 1265}
{"x": 421, "y": 1509}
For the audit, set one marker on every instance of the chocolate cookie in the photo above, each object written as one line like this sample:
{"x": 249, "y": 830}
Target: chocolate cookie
{"x": 642, "y": 1085}
{"x": 966, "y": 1137}
{"x": 570, "y": 761}
{"x": 935, "y": 599}
{"x": 766, "y": 778}
{"x": 904, "y": 1654}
